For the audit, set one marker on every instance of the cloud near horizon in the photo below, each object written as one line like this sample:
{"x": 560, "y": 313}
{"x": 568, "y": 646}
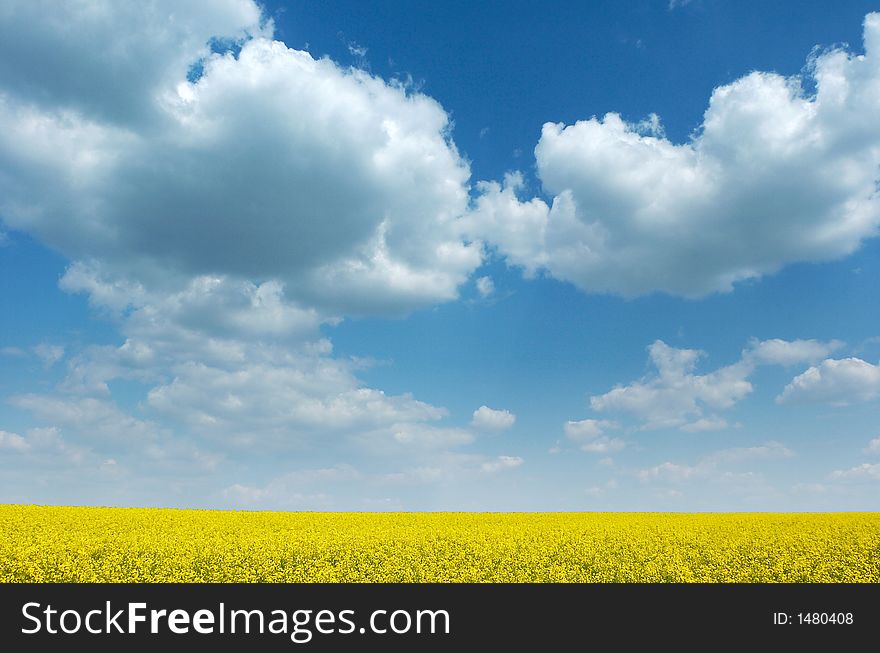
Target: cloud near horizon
{"x": 675, "y": 396}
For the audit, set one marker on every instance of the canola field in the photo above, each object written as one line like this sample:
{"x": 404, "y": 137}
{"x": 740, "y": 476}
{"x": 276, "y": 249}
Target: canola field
{"x": 53, "y": 544}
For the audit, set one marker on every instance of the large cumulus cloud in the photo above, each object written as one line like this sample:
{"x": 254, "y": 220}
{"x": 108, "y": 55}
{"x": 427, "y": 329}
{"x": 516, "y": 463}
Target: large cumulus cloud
{"x": 775, "y": 174}
{"x": 268, "y": 165}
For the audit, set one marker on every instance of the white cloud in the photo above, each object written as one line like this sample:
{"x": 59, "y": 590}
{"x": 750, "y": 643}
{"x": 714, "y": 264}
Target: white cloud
{"x": 232, "y": 364}
{"x": 342, "y": 189}
{"x": 104, "y": 427}
{"x": 601, "y": 490}
{"x": 774, "y": 175}
{"x": 214, "y": 320}
{"x": 485, "y": 286}
{"x": 290, "y": 404}
{"x": 96, "y": 419}
{"x": 423, "y": 436}
{"x": 670, "y": 472}
{"x": 769, "y": 451}
{"x": 603, "y": 445}
{"x": 715, "y": 465}
{"x": 712, "y": 423}
{"x": 590, "y": 435}
{"x": 356, "y": 50}
{"x": 12, "y": 442}
{"x": 306, "y": 488}
{"x": 863, "y": 472}
{"x": 835, "y": 381}
{"x": 794, "y": 352}
{"x": 489, "y": 419}
{"x": 43, "y": 446}
{"x": 49, "y": 354}
{"x": 227, "y": 368}
{"x": 586, "y": 429}
{"x": 675, "y": 394}
{"x": 514, "y": 227}
{"x": 501, "y": 463}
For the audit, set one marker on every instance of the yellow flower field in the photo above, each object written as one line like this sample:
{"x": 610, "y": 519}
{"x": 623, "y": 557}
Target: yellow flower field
{"x": 49, "y": 544}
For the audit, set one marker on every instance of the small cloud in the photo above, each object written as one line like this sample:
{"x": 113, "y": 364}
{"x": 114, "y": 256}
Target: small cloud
{"x": 110, "y": 467}
{"x": 483, "y": 132}
{"x": 300, "y": 489}
{"x": 501, "y": 463}
{"x": 12, "y": 352}
{"x": 356, "y": 50}
{"x": 485, "y": 286}
{"x": 586, "y": 429}
{"x": 599, "y": 490}
{"x": 49, "y": 354}
{"x": 669, "y": 472}
{"x": 769, "y": 451}
{"x": 787, "y": 353}
{"x": 839, "y": 382}
{"x": 13, "y": 442}
{"x": 714, "y": 465}
{"x": 488, "y": 419}
{"x": 421, "y": 435}
{"x": 713, "y": 423}
{"x": 603, "y": 445}
{"x": 863, "y": 472}
{"x": 590, "y": 435}
{"x": 651, "y": 126}
{"x": 873, "y": 447}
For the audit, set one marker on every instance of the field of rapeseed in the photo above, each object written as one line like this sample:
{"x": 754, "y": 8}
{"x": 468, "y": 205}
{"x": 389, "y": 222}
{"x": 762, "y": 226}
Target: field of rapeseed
{"x": 48, "y": 544}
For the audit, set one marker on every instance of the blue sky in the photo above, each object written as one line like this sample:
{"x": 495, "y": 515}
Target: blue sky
{"x": 454, "y": 256}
